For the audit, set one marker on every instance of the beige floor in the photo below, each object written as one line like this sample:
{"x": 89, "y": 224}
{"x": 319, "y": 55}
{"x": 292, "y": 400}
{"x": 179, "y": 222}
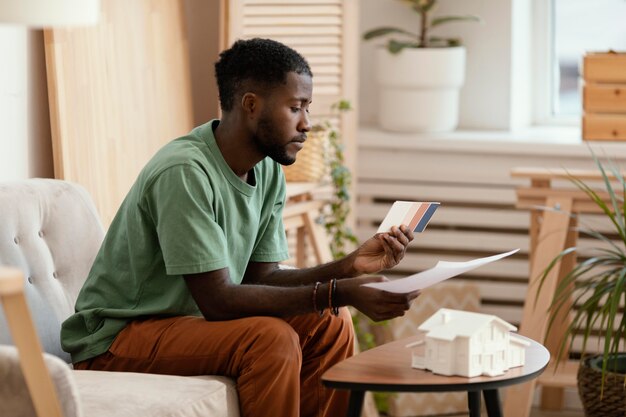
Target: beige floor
{"x": 566, "y": 413}
{"x": 535, "y": 412}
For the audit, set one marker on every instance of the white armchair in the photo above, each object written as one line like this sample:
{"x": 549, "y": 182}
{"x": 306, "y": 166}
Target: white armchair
{"x": 49, "y": 235}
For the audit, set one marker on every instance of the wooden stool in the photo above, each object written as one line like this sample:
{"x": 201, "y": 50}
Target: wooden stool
{"x": 302, "y": 208}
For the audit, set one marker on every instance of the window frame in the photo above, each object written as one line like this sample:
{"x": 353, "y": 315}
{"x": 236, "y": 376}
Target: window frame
{"x": 544, "y": 73}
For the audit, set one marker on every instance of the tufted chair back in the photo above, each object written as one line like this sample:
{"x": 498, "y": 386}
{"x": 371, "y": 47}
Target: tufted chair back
{"x": 49, "y": 229}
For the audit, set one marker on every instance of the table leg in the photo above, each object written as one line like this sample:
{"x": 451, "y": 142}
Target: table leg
{"x": 492, "y": 402}
{"x": 356, "y": 403}
{"x": 473, "y": 402}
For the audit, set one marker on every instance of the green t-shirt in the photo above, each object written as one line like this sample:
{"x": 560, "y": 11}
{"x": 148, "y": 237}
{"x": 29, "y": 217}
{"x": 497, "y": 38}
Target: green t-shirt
{"x": 187, "y": 213}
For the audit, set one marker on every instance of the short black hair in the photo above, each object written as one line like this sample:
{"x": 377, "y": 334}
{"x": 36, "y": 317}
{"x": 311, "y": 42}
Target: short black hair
{"x": 263, "y": 61}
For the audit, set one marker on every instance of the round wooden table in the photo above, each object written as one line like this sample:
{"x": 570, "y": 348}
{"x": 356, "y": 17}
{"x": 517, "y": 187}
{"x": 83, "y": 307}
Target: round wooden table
{"x": 388, "y": 368}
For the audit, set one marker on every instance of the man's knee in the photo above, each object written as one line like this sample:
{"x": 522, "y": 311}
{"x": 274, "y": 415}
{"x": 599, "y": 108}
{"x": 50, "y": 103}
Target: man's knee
{"x": 278, "y": 339}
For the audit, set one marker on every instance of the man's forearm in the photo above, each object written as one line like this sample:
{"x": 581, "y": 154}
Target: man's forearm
{"x": 342, "y": 268}
{"x": 266, "y": 300}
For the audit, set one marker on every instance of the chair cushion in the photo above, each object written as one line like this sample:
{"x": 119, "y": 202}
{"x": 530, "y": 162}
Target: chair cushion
{"x": 117, "y": 394}
{"x": 127, "y": 394}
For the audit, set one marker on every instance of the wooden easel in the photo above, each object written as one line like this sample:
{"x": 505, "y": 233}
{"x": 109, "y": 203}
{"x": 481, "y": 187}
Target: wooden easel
{"x": 553, "y": 222}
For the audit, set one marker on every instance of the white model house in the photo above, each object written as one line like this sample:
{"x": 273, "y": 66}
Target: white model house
{"x": 468, "y": 344}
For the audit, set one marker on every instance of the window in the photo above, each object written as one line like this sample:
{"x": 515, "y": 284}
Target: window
{"x": 564, "y": 31}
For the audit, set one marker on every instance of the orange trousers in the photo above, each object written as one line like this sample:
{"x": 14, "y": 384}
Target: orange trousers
{"x": 277, "y": 363}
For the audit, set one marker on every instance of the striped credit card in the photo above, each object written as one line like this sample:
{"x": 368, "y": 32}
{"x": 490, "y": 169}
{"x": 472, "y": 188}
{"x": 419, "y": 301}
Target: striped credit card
{"x": 415, "y": 215}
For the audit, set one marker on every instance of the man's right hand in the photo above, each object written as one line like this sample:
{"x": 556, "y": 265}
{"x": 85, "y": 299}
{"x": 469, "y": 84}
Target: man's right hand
{"x": 376, "y": 304}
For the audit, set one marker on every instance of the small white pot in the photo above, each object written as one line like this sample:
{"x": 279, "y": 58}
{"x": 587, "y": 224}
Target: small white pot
{"x": 419, "y": 88}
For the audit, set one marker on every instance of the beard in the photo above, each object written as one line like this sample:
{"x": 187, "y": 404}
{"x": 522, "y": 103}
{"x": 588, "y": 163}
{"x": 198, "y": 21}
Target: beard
{"x": 266, "y": 138}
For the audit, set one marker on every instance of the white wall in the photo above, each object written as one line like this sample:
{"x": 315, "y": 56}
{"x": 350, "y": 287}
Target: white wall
{"x": 495, "y": 94}
{"x": 25, "y": 141}
{"x": 25, "y": 145}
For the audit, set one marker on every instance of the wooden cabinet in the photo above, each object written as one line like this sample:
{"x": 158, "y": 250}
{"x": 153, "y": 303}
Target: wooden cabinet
{"x": 607, "y": 67}
{"x": 604, "y": 126}
{"x": 604, "y": 96}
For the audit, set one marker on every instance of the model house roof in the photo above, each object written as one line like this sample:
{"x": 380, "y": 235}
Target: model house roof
{"x": 518, "y": 340}
{"x": 448, "y": 324}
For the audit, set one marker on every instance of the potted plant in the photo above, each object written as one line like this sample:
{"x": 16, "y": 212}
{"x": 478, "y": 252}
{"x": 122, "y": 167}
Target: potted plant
{"x": 597, "y": 287}
{"x": 335, "y": 220}
{"x": 419, "y": 74}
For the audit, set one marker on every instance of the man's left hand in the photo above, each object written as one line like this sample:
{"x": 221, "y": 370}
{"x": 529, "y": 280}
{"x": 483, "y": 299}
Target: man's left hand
{"x": 382, "y": 251}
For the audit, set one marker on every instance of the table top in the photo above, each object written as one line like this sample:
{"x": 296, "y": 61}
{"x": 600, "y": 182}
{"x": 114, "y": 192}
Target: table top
{"x": 388, "y": 368}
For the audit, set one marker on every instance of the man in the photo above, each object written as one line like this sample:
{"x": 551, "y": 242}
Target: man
{"x": 187, "y": 282}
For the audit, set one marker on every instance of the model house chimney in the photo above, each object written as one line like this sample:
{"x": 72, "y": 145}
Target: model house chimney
{"x": 445, "y": 317}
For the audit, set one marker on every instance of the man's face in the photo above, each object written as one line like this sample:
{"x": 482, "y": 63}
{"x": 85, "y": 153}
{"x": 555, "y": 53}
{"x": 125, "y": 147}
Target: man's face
{"x": 284, "y": 121}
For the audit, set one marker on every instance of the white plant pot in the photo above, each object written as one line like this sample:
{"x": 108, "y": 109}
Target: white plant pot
{"x": 419, "y": 88}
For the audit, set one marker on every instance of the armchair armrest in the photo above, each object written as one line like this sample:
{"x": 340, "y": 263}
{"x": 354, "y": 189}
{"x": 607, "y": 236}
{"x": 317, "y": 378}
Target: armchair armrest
{"x": 25, "y": 338}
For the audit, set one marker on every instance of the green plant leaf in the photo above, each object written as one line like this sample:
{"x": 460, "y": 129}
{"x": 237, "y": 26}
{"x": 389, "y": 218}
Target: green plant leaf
{"x": 448, "y": 19}
{"x": 596, "y": 286}
{"x": 599, "y": 236}
{"x": 383, "y": 31}
{"x": 549, "y": 268}
{"x": 396, "y": 47}
{"x": 336, "y": 215}
{"x": 616, "y": 331}
{"x": 612, "y": 212}
{"x": 612, "y": 195}
{"x": 614, "y": 216}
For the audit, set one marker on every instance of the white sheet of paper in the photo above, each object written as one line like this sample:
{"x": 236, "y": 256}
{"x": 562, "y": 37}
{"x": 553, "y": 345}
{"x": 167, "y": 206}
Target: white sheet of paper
{"x": 440, "y": 272}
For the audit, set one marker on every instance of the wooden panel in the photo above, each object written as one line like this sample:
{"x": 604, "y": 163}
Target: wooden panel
{"x": 604, "y": 127}
{"x": 549, "y": 174}
{"x": 452, "y": 216}
{"x": 424, "y": 191}
{"x": 315, "y": 29}
{"x": 604, "y": 67}
{"x": 293, "y": 9}
{"x": 118, "y": 91}
{"x": 329, "y": 20}
{"x": 604, "y": 98}
{"x": 509, "y": 267}
{"x": 326, "y": 33}
{"x": 472, "y": 240}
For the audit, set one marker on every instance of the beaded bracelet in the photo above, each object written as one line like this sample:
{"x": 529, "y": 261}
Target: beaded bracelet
{"x": 321, "y": 312}
{"x": 330, "y": 296}
{"x": 335, "y": 308}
